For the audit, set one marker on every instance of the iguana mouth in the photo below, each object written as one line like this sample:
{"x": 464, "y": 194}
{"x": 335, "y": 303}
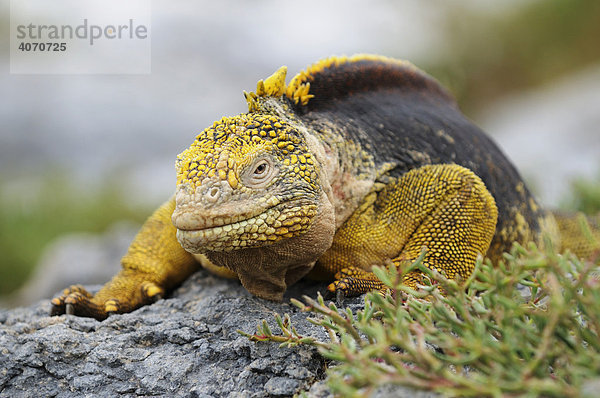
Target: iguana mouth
{"x": 273, "y": 224}
{"x": 187, "y": 217}
{"x": 256, "y": 225}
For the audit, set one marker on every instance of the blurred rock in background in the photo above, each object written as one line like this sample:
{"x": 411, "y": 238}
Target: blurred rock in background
{"x": 76, "y": 258}
{"x": 551, "y": 133}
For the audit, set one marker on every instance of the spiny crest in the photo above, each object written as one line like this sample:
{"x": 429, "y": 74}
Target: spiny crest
{"x": 335, "y": 78}
{"x": 306, "y": 76}
{"x": 273, "y": 86}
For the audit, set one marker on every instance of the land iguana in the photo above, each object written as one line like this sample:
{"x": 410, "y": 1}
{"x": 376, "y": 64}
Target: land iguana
{"x": 356, "y": 162}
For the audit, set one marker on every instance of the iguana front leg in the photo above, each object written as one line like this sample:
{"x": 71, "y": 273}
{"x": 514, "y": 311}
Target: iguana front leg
{"x": 154, "y": 263}
{"x": 445, "y": 208}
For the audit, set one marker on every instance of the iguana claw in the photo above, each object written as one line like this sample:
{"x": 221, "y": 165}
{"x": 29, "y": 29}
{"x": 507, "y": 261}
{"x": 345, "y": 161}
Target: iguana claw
{"x": 75, "y": 300}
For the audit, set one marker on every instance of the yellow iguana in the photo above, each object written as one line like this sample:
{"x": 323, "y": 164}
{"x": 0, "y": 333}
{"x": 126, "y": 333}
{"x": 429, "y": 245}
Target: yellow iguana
{"x": 355, "y": 162}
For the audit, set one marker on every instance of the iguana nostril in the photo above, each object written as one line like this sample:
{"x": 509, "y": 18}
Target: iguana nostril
{"x": 213, "y": 194}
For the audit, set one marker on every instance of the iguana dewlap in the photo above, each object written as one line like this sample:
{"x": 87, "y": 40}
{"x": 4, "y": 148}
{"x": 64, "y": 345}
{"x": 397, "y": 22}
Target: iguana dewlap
{"x": 356, "y": 162}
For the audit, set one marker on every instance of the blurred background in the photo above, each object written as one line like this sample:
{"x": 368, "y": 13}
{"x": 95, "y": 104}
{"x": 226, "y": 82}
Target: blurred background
{"x": 85, "y": 158}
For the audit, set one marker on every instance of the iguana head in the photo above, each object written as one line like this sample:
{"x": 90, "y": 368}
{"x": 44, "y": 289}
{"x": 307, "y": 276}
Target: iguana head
{"x": 247, "y": 181}
{"x": 252, "y": 196}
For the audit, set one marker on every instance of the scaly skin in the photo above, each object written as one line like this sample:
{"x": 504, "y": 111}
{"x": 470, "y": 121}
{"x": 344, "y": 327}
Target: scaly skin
{"x": 358, "y": 161}
{"x": 445, "y": 208}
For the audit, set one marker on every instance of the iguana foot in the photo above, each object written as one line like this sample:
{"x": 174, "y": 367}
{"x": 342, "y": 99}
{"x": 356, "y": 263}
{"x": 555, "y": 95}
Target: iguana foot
{"x": 75, "y": 300}
{"x": 353, "y": 281}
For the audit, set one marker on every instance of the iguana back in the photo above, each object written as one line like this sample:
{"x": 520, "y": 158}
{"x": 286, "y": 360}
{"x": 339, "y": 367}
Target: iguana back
{"x": 405, "y": 119}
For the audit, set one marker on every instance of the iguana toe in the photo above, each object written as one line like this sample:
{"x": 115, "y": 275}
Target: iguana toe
{"x": 81, "y": 304}
{"x": 354, "y": 281}
{"x": 339, "y": 297}
{"x": 152, "y": 292}
{"x": 58, "y": 306}
{"x": 112, "y": 306}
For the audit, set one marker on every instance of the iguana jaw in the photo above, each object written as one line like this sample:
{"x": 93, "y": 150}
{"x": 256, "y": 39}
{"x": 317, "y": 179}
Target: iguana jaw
{"x": 264, "y": 226}
{"x": 192, "y": 214}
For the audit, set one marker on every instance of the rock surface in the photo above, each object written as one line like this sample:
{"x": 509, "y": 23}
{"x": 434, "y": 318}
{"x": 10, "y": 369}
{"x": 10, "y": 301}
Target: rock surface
{"x": 186, "y": 345}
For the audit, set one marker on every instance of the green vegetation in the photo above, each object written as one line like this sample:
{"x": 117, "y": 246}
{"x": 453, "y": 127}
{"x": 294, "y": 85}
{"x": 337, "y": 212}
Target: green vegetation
{"x": 28, "y": 222}
{"x": 486, "y": 338}
{"x": 584, "y": 196}
{"x": 494, "y": 54}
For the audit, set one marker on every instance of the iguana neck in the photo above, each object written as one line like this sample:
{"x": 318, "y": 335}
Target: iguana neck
{"x": 349, "y": 172}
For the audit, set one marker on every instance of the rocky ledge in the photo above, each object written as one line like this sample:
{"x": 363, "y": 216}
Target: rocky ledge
{"x": 185, "y": 345}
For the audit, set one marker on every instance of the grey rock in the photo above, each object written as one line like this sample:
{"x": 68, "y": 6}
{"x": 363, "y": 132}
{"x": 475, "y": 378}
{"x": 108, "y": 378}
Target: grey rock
{"x": 185, "y": 345}
{"x": 320, "y": 390}
{"x": 281, "y": 386}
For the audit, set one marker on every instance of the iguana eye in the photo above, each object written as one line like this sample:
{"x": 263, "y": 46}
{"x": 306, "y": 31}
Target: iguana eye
{"x": 260, "y": 173}
{"x": 261, "y": 168}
